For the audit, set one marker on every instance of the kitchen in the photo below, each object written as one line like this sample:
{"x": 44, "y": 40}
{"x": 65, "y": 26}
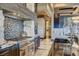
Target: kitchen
{"x": 39, "y": 29}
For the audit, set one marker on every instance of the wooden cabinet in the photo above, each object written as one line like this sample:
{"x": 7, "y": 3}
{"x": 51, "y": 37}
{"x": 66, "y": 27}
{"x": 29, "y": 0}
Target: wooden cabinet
{"x": 10, "y": 51}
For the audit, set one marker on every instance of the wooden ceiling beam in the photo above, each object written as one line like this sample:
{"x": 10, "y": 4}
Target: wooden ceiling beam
{"x": 41, "y": 14}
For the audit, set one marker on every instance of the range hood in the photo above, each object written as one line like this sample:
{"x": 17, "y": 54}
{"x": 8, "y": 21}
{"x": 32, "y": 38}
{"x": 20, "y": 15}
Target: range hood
{"x": 17, "y": 10}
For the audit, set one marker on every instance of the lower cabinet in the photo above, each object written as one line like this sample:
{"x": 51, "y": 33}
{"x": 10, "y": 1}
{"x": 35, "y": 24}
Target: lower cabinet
{"x": 10, "y": 51}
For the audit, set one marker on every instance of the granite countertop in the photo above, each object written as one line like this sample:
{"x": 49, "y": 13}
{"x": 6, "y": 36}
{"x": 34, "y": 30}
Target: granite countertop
{"x": 19, "y": 38}
{"x": 8, "y": 44}
{"x": 2, "y": 42}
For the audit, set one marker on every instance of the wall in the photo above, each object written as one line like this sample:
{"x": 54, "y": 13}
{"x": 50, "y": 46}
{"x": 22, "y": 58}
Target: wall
{"x": 29, "y": 28}
{"x": 30, "y": 6}
{"x": 42, "y": 7}
{"x": 13, "y": 28}
{"x": 41, "y": 27}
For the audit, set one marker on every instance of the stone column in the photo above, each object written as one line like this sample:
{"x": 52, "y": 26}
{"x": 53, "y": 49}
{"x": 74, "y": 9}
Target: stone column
{"x": 29, "y": 27}
{"x": 1, "y": 26}
{"x": 52, "y": 23}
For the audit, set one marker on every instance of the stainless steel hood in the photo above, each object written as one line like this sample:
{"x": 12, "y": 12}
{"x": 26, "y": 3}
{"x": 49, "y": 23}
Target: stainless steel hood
{"x": 17, "y": 10}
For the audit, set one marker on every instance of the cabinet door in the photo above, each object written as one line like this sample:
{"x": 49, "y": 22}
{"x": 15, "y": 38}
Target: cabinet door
{"x": 14, "y": 50}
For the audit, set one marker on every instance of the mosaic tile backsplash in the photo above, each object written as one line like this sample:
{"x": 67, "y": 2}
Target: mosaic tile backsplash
{"x": 12, "y": 28}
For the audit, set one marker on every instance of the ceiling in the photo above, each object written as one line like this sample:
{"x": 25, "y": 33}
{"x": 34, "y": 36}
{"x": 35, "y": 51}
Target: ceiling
{"x": 67, "y": 9}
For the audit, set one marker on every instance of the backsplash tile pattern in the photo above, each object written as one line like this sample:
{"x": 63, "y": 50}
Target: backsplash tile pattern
{"x": 12, "y": 28}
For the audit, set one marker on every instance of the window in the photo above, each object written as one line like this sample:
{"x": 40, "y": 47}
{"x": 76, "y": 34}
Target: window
{"x": 59, "y": 22}
{"x": 56, "y": 22}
